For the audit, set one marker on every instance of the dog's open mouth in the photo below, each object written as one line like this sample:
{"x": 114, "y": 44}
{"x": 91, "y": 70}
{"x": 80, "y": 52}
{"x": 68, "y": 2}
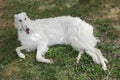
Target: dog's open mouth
{"x": 27, "y": 31}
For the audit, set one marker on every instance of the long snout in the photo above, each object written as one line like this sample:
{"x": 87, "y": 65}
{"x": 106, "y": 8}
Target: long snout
{"x": 25, "y": 27}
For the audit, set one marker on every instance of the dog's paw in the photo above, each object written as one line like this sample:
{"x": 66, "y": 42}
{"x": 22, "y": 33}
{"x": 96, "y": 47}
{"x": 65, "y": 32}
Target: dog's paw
{"x": 51, "y": 61}
{"x": 104, "y": 68}
{"x": 77, "y": 61}
{"x": 105, "y": 60}
{"x": 21, "y": 56}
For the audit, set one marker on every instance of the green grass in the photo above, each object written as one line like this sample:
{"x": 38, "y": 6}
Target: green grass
{"x": 64, "y": 68}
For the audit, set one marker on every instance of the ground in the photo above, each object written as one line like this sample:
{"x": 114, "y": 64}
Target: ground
{"x": 104, "y": 15}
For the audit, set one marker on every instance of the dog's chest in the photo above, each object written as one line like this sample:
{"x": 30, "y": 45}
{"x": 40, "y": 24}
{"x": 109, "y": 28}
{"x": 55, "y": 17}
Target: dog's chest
{"x": 26, "y": 41}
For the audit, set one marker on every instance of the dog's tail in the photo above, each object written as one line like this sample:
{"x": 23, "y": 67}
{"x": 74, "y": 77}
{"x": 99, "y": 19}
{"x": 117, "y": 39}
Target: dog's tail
{"x": 90, "y": 49}
{"x": 96, "y": 56}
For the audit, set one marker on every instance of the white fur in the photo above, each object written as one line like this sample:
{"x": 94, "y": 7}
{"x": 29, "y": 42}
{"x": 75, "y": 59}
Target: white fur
{"x": 58, "y": 30}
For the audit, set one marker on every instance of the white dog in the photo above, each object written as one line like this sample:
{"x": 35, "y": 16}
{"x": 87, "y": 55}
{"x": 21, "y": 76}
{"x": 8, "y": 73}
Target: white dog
{"x": 41, "y": 33}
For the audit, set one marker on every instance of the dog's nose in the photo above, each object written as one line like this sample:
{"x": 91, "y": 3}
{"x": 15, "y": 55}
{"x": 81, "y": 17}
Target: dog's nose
{"x": 27, "y": 29}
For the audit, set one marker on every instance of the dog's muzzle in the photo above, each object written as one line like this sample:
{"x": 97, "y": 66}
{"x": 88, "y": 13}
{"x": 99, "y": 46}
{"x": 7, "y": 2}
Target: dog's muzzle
{"x": 27, "y": 31}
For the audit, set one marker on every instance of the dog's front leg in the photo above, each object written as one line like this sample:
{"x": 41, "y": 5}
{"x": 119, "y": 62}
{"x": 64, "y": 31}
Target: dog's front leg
{"x": 79, "y": 55}
{"x": 41, "y": 52}
{"x": 19, "y": 53}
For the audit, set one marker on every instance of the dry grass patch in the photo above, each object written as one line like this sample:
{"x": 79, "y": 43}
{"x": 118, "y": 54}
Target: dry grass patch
{"x": 11, "y": 68}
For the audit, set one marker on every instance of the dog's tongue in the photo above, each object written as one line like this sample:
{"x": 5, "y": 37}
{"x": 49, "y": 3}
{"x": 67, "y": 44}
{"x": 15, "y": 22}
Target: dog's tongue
{"x": 27, "y": 32}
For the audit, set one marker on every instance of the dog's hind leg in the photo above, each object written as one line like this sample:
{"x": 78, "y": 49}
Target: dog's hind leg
{"x": 19, "y": 53}
{"x": 41, "y": 52}
{"x": 79, "y": 55}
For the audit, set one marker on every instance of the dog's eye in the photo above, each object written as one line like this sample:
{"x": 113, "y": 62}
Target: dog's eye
{"x": 25, "y": 19}
{"x": 20, "y": 20}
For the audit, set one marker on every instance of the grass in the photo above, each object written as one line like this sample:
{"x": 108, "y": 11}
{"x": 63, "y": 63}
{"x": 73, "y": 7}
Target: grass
{"x": 98, "y": 13}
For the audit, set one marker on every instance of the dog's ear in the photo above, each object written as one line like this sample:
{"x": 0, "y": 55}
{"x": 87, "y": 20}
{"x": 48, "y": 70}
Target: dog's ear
{"x": 24, "y": 13}
{"x": 15, "y": 16}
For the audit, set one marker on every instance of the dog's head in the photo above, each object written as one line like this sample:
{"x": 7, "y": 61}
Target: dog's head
{"x": 22, "y": 22}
